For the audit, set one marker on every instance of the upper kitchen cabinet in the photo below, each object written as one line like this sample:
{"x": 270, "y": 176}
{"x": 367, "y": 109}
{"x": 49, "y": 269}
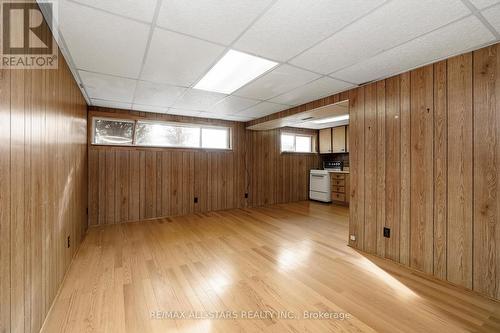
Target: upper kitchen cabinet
{"x": 338, "y": 139}
{"x": 325, "y": 141}
{"x": 334, "y": 140}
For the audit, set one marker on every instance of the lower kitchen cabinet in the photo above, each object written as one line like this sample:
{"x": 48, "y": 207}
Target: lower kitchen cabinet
{"x": 340, "y": 188}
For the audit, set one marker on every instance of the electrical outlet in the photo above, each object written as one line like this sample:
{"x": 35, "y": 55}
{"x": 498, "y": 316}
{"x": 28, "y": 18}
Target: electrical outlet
{"x": 352, "y": 237}
{"x": 387, "y": 232}
{"x": 195, "y": 199}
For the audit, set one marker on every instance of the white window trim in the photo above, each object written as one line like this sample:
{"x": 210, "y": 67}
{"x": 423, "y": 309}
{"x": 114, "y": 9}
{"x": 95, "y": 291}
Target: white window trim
{"x": 94, "y": 120}
{"x": 168, "y": 123}
{"x": 295, "y": 135}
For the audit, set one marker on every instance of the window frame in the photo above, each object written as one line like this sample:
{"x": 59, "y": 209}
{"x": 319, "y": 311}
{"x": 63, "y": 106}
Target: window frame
{"x": 295, "y": 135}
{"x": 94, "y": 120}
{"x": 134, "y": 144}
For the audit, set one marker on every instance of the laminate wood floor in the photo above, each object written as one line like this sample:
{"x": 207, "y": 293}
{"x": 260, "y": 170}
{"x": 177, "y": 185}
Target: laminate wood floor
{"x": 252, "y": 270}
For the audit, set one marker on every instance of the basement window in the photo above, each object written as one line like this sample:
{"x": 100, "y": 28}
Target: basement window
{"x": 296, "y": 143}
{"x": 113, "y": 132}
{"x": 146, "y": 133}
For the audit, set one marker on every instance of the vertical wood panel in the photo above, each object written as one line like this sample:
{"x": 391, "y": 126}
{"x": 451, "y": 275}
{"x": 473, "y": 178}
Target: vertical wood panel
{"x": 43, "y": 189}
{"x": 110, "y": 181}
{"x": 357, "y": 166}
{"x": 422, "y": 182}
{"x": 392, "y": 198}
{"x": 487, "y": 171}
{"x": 134, "y": 181}
{"x": 381, "y": 166}
{"x": 370, "y": 172}
{"x": 440, "y": 168}
{"x": 459, "y": 267}
{"x": 5, "y": 204}
{"x": 17, "y": 218}
{"x": 404, "y": 230}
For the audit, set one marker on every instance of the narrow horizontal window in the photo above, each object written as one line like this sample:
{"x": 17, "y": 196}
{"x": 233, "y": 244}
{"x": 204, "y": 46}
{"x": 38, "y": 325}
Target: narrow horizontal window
{"x": 166, "y": 135}
{"x": 145, "y": 133}
{"x": 113, "y": 132}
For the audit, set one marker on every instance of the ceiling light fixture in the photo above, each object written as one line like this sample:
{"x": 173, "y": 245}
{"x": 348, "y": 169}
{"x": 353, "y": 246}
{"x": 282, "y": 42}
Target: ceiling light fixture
{"x": 232, "y": 71}
{"x": 331, "y": 119}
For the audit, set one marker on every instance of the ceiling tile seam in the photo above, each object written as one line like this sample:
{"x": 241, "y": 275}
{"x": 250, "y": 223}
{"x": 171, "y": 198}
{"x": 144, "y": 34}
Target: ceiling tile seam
{"x": 341, "y": 28}
{"x": 403, "y": 43}
{"x": 131, "y": 78}
{"x": 474, "y": 48}
{"x": 226, "y": 49}
{"x": 481, "y": 18}
{"x": 148, "y": 45}
{"x": 291, "y": 90}
{"x": 231, "y": 95}
{"x": 189, "y": 35}
{"x": 109, "y": 12}
{"x": 67, "y": 56}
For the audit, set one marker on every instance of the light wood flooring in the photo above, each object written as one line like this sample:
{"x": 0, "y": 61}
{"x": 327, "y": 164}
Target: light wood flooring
{"x": 284, "y": 259}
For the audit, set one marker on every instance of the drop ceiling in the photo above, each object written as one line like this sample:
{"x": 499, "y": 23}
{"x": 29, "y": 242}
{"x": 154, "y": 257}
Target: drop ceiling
{"x": 148, "y": 54}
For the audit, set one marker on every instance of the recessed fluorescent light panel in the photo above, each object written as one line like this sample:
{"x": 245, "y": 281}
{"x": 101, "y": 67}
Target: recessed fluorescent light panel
{"x": 331, "y": 119}
{"x": 232, "y": 71}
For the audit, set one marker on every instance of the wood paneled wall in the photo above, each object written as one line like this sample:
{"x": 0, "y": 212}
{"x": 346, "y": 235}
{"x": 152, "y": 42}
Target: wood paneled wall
{"x": 131, "y": 183}
{"x": 277, "y": 177}
{"x": 43, "y": 189}
{"x": 425, "y": 162}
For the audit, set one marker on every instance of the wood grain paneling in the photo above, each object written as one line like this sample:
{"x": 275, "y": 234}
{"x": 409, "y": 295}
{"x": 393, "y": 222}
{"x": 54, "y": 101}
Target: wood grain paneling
{"x": 43, "y": 189}
{"x": 440, "y": 169}
{"x": 486, "y": 206}
{"x": 392, "y": 200}
{"x": 459, "y": 238}
{"x": 404, "y": 229}
{"x": 276, "y": 177}
{"x": 428, "y": 168}
{"x": 357, "y": 167}
{"x": 131, "y": 183}
{"x": 422, "y": 182}
{"x": 370, "y": 173}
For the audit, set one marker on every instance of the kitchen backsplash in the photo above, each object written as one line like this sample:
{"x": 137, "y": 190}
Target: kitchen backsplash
{"x": 336, "y": 157}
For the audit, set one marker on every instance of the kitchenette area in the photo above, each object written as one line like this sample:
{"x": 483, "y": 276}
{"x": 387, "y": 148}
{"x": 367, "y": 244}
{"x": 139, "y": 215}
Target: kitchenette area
{"x": 331, "y": 183}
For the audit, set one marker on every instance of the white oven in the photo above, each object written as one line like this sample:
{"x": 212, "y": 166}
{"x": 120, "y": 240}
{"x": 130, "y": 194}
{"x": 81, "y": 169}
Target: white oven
{"x": 319, "y": 185}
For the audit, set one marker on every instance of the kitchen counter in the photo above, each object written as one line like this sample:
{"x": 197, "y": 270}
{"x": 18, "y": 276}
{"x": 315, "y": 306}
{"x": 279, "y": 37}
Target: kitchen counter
{"x": 334, "y": 171}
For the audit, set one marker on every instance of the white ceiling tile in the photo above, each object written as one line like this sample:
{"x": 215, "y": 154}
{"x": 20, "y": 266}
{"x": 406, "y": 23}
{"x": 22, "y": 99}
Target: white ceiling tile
{"x": 137, "y": 9}
{"x": 320, "y": 88}
{"x": 177, "y": 59}
{"x": 262, "y": 109}
{"x": 291, "y": 26}
{"x": 102, "y": 42}
{"x": 149, "y": 108}
{"x": 282, "y": 79}
{"x": 232, "y": 104}
{"x": 480, "y": 4}
{"x": 198, "y": 100}
{"x": 392, "y": 24}
{"x": 447, "y": 41}
{"x": 219, "y": 21}
{"x": 108, "y": 87}
{"x": 493, "y": 16}
{"x": 148, "y": 93}
{"x": 110, "y": 104}
{"x": 182, "y": 112}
